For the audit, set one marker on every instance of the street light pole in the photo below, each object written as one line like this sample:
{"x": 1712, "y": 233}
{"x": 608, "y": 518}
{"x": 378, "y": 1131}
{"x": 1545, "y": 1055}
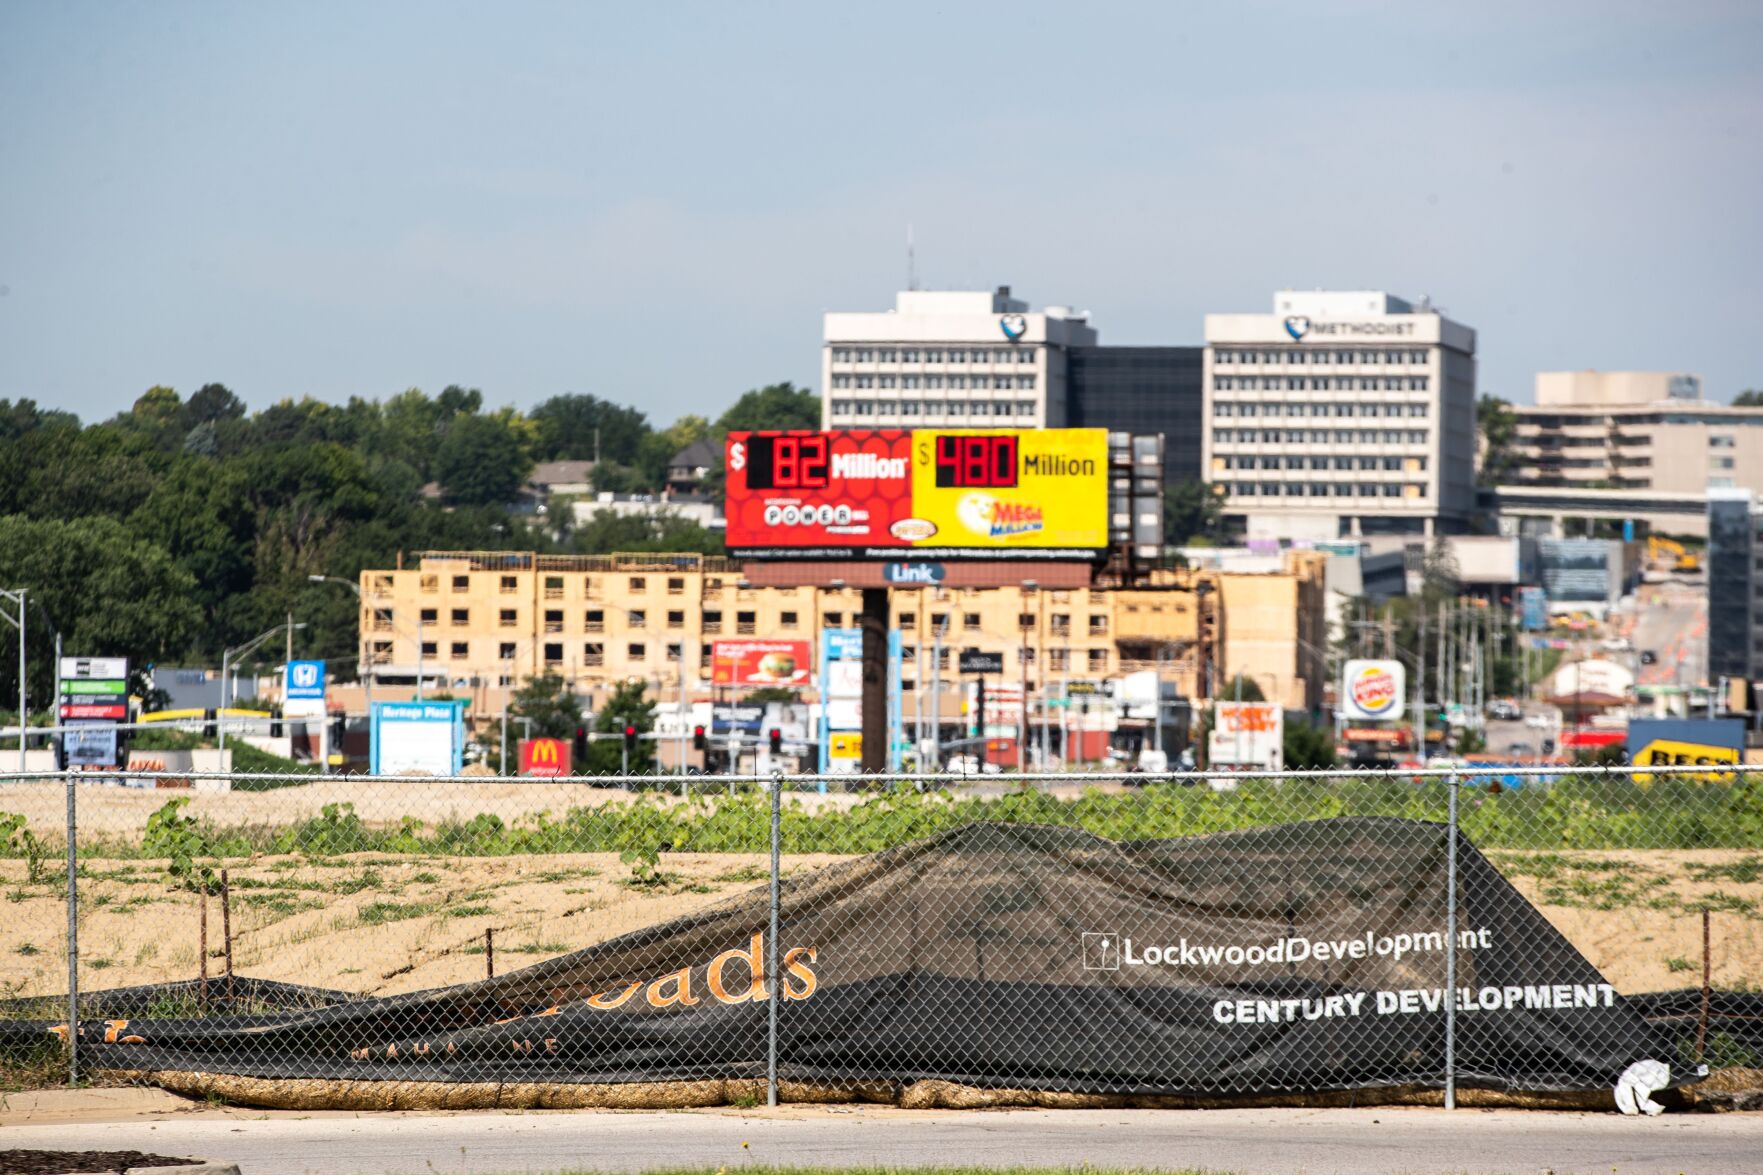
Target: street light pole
{"x": 226, "y": 660}
{"x": 18, "y": 597}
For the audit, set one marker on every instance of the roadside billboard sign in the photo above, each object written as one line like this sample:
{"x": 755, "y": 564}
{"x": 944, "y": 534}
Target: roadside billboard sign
{"x": 760, "y": 663}
{"x": 89, "y": 745}
{"x": 418, "y": 738}
{"x": 841, "y": 692}
{"x": 100, "y": 668}
{"x": 930, "y": 494}
{"x": 1684, "y": 742}
{"x": 1247, "y": 734}
{"x": 544, "y": 757}
{"x": 974, "y": 661}
{"x": 1373, "y": 690}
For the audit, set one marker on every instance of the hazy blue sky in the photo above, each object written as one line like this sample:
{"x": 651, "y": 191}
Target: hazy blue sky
{"x": 655, "y": 203}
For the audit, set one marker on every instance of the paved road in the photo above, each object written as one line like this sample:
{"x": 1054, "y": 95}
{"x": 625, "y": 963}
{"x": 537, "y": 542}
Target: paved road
{"x": 1252, "y": 1142}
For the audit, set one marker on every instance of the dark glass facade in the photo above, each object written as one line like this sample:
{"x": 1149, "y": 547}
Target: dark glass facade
{"x": 1729, "y": 587}
{"x": 1141, "y": 390}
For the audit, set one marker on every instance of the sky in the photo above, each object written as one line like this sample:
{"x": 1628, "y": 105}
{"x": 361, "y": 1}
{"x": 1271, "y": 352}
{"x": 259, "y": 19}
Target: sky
{"x": 656, "y": 203}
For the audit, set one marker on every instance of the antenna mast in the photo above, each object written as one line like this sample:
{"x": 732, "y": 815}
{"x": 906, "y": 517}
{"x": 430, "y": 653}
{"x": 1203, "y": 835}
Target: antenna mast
{"x": 911, "y": 261}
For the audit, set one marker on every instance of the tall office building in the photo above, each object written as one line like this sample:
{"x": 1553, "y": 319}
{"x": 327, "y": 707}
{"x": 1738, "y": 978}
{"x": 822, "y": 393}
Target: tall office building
{"x": 963, "y": 359}
{"x": 1735, "y": 585}
{"x": 1341, "y": 413}
{"x": 1143, "y": 391}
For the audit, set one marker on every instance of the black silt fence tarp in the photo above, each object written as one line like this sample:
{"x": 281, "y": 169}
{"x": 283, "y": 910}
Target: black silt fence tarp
{"x": 1005, "y": 956}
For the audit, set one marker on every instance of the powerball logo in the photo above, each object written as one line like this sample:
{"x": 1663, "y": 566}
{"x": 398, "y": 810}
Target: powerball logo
{"x": 986, "y": 515}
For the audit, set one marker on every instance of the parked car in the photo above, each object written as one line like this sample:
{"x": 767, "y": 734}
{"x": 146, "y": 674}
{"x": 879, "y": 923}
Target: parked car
{"x": 1538, "y": 722}
{"x": 1501, "y": 710}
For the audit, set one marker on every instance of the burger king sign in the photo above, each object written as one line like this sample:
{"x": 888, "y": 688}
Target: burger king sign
{"x": 1373, "y": 689}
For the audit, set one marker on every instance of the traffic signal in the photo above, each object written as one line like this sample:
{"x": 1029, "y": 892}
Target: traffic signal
{"x": 581, "y": 745}
{"x": 698, "y": 740}
{"x": 630, "y": 737}
{"x": 777, "y": 741}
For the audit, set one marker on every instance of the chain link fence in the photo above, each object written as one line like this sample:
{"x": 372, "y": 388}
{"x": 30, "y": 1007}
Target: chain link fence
{"x": 701, "y": 939}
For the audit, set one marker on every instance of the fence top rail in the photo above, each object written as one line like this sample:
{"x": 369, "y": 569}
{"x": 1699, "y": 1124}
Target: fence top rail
{"x": 1458, "y": 773}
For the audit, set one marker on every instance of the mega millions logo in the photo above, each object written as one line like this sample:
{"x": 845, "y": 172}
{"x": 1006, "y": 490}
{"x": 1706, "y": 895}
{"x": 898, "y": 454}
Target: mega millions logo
{"x": 987, "y": 516}
{"x": 1374, "y": 690}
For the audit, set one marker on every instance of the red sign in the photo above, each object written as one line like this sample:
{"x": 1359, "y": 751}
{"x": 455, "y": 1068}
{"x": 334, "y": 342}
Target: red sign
{"x": 760, "y": 663}
{"x": 1374, "y": 734}
{"x": 115, "y": 711}
{"x": 544, "y": 756}
{"x": 802, "y": 490}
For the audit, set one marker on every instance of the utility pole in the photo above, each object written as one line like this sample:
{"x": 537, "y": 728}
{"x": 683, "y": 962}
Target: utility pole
{"x": 507, "y": 685}
{"x": 419, "y": 656}
{"x": 936, "y": 698}
{"x": 1420, "y": 688}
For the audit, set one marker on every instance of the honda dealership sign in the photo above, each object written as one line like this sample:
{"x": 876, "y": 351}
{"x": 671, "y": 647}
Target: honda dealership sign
{"x": 1373, "y": 689}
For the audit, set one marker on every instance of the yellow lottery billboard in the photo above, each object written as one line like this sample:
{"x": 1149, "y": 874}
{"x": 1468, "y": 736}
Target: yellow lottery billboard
{"x": 1012, "y": 488}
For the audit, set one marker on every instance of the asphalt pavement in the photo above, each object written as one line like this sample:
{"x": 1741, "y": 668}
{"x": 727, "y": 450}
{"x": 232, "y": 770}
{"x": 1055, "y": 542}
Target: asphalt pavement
{"x": 1379, "y": 1141}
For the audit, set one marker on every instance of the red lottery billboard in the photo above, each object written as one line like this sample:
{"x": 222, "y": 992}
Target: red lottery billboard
{"x": 935, "y": 493}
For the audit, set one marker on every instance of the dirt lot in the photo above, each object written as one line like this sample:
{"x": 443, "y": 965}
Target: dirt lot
{"x": 380, "y": 924}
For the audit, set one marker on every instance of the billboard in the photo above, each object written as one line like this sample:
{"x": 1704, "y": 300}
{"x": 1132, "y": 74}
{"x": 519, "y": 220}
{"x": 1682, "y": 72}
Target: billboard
{"x": 1247, "y": 734}
{"x": 1373, "y": 689}
{"x": 841, "y": 695}
{"x": 1684, "y": 742}
{"x": 933, "y": 493}
{"x": 418, "y": 738}
{"x": 760, "y": 663}
{"x": 545, "y": 757}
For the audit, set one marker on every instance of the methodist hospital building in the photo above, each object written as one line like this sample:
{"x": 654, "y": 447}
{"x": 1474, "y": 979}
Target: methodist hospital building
{"x": 1340, "y": 414}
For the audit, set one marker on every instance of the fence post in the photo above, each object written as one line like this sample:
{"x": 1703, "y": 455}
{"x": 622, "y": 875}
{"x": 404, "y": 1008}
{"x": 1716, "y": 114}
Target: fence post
{"x": 771, "y": 951}
{"x": 1451, "y": 945}
{"x": 73, "y": 934}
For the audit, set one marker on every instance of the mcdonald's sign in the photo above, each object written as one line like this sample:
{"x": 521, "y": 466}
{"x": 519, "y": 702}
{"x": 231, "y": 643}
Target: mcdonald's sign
{"x": 544, "y": 756}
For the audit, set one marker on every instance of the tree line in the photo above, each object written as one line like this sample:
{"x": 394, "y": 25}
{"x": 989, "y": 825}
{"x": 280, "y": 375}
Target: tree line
{"x": 184, "y": 526}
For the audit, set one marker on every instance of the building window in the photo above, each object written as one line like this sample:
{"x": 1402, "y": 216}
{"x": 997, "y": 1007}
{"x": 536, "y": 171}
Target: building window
{"x": 970, "y": 621}
{"x": 553, "y": 587}
{"x": 431, "y": 583}
{"x": 833, "y": 620}
{"x": 1058, "y": 660}
{"x": 381, "y": 650}
{"x": 430, "y": 615}
{"x": 1098, "y": 660}
{"x": 593, "y": 653}
{"x": 786, "y": 620}
{"x": 746, "y": 623}
{"x": 1061, "y": 624}
{"x": 461, "y": 650}
{"x": 508, "y": 618}
{"x": 462, "y": 583}
{"x": 638, "y": 617}
{"x": 554, "y": 620}
{"x": 676, "y": 619}
{"x": 1025, "y": 620}
{"x": 636, "y": 651}
{"x": 505, "y": 651}
{"x": 595, "y": 620}
{"x": 712, "y": 621}
{"x": 1720, "y": 442}
{"x": 639, "y": 583}
{"x": 673, "y": 651}
{"x": 1099, "y": 625}
{"x": 509, "y": 585}
{"x": 461, "y": 617}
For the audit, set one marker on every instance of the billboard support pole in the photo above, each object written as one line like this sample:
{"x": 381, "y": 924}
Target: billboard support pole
{"x": 936, "y": 699}
{"x": 73, "y": 936}
{"x": 771, "y": 946}
{"x": 1451, "y": 944}
{"x": 873, "y": 622}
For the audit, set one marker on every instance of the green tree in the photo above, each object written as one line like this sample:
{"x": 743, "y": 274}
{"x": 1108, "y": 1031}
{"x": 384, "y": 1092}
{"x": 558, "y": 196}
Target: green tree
{"x": 586, "y": 428}
{"x": 773, "y": 406}
{"x": 555, "y": 711}
{"x": 1440, "y": 577}
{"x": 1749, "y": 398}
{"x": 108, "y": 593}
{"x": 1497, "y": 427}
{"x": 1192, "y": 513}
{"x": 1306, "y": 746}
{"x": 662, "y": 530}
{"x": 627, "y": 705}
{"x": 481, "y": 461}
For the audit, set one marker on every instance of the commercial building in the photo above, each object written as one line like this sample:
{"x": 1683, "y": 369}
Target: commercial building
{"x": 950, "y": 358}
{"x": 1634, "y": 430}
{"x": 1341, "y": 414}
{"x": 1735, "y": 585}
{"x": 486, "y": 621}
{"x": 1144, "y": 391}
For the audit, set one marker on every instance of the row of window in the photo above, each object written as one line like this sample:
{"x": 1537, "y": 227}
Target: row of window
{"x": 1322, "y": 383}
{"x": 1234, "y": 408}
{"x": 933, "y": 408}
{"x": 1318, "y": 436}
{"x": 1318, "y": 356}
{"x": 593, "y": 654}
{"x": 746, "y": 622}
{"x": 1325, "y": 489}
{"x": 509, "y": 585}
{"x": 1400, "y": 464}
{"x": 957, "y": 382}
{"x": 933, "y": 355}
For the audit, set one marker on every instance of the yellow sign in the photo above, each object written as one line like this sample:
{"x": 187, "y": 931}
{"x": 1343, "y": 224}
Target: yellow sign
{"x": 1663, "y": 752}
{"x": 1004, "y": 488}
{"x": 845, "y": 744}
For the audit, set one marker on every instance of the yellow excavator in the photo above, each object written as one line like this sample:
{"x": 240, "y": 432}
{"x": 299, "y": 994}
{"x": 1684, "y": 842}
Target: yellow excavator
{"x": 1670, "y": 555}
